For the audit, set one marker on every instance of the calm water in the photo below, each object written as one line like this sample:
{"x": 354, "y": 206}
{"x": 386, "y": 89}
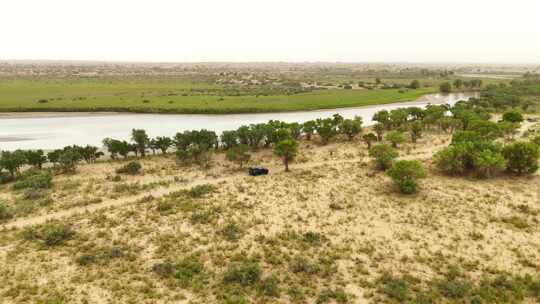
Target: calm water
{"x": 90, "y": 128}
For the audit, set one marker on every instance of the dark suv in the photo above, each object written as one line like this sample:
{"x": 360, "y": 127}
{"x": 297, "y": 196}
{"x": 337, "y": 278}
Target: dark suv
{"x": 256, "y": 171}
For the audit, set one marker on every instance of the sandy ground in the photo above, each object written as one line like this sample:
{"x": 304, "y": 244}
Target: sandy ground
{"x": 365, "y": 228}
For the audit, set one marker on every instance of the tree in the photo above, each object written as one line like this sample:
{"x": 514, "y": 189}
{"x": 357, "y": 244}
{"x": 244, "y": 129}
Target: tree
{"x": 163, "y": 143}
{"x": 382, "y": 117}
{"x": 378, "y": 80}
{"x": 395, "y": 137}
{"x": 398, "y": 117}
{"x": 12, "y": 161}
{"x": 239, "y": 154}
{"x": 35, "y": 158}
{"x": 68, "y": 160}
{"x": 152, "y": 145}
{"x": 508, "y": 129}
{"x": 379, "y": 129}
{"x": 287, "y": 150}
{"x": 229, "y": 139}
{"x": 487, "y": 163}
{"x": 369, "y": 138}
{"x": 485, "y": 128}
{"x": 89, "y": 153}
{"x": 458, "y": 83}
{"x": 141, "y": 140}
{"x": 309, "y": 128}
{"x": 351, "y": 127}
{"x": 416, "y": 130}
{"x": 512, "y": 116}
{"x": 384, "y": 155}
{"x": 415, "y": 84}
{"x": 445, "y": 87}
{"x": 326, "y": 129}
{"x": 522, "y": 157}
{"x": 405, "y": 173}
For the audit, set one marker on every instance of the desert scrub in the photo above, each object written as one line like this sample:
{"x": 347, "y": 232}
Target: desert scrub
{"x": 35, "y": 180}
{"x": 5, "y": 212}
{"x": 131, "y": 168}
{"x": 186, "y": 271}
{"x": 201, "y": 190}
{"x": 49, "y": 234}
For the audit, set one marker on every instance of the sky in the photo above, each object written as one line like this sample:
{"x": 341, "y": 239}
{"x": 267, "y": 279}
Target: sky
{"x": 484, "y": 31}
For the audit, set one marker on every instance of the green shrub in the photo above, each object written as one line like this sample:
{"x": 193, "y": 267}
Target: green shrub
{"x": 245, "y": 273}
{"x": 50, "y": 234}
{"x": 231, "y": 232}
{"x": 512, "y": 116}
{"x": 522, "y": 157}
{"x": 188, "y": 268}
{"x": 5, "y": 213}
{"x": 405, "y": 173}
{"x": 201, "y": 190}
{"x": 487, "y": 163}
{"x": 131, "y": 168}
{"x": 41, "y": 180}
{"x": 393, "y": 287}
{"x": 269, "y": 286}
{"x": 384, "y": 155}
{"x": 395, "y": 137}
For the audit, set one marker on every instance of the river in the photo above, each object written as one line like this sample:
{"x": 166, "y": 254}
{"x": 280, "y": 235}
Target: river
{"x": 57, "y": 130}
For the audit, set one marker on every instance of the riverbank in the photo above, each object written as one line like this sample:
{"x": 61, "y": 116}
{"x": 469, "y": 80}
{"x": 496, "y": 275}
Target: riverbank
{"x": 57, "y": 130}
{"x": 27, "y": 97}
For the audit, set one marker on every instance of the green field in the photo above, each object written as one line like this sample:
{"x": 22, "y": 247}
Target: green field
{"x": 177, "y": 96}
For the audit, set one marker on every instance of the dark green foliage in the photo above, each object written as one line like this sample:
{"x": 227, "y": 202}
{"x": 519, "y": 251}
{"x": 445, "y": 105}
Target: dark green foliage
{"x": 369, "y": 139}
{"x": 49, "y": 234}
{"x": 35, "y": 158}
{"x": 415, "y": 84}
{"x": 405, "y": 173}
{"x": 231, "y": 232}
{"x": 5, "y": 212}
{"x": 185, "y": 270}
{"x": 416, "y": 129}
{"x": 287, "y": 150}
{"x": 339, "y": 295}
{"x": 351, "y": 127}
{"x": 35, "y": 180}
{"x": 326, "y": 129}
{"x": 201, "y": 190}
{"x": 131, "y": 168}
{"x": 239, "y": 154}
{"x": 522, "y": 157}
{"x": 269, "y": 286}
{"x": 244, "y": 273}
{"x": 309, "y": 128}
{"x": 12, "y": 161}
{"x": 513, "y": 116}
{"x": 163, "y": 143}
{"x": 204, "y": 139}
{"x": 384, "y": 155}
{"x": 393, "y": 287}
{"x": 117, "y": 147}
{"x": 141, "y": 140}
{"x": 445, "y": 87}
{"x": 395, "y": 137}
{"x": 229, "y": 139}
{"x": 68, "y": 160}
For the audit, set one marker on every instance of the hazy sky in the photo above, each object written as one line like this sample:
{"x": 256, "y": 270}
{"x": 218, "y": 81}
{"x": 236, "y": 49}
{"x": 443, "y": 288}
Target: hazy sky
{"x": 273, "y": 30}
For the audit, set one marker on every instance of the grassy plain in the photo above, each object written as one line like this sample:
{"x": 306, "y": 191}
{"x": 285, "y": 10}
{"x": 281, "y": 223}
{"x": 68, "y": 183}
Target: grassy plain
{"x": 170, "y": 96}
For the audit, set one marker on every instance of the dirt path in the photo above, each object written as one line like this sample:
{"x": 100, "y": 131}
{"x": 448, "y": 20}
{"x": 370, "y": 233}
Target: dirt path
{"x": 161, "y": 191}
{"x": 156, "y": 193}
